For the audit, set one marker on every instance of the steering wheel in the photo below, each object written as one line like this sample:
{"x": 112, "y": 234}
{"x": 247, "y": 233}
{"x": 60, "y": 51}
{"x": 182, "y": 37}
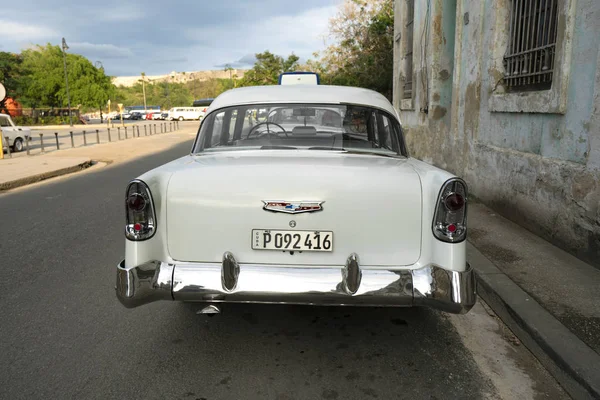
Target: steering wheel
{"x": 266, "y": 123}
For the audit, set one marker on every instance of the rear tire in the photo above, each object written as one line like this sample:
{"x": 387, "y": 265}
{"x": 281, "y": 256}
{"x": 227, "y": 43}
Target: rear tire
{"x": 181, "y": 118}
{"x": 18, "y": 145}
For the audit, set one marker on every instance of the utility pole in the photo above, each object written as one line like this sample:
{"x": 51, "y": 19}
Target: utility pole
{"x": 2, "y": 95}
{"x": 144, "y": 91}
{"x": 172, "y": 78}
{"x": 65, "y": 48}
{"x": 230, "y": 69}
{"x": 108, "y": 115}
{"x": 2, "y": 145}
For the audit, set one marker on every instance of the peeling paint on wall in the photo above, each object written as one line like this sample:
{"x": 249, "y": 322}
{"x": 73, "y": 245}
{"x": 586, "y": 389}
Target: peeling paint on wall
{"x": 540, "y": 169}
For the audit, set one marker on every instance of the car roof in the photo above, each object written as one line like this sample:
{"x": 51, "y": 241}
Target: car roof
{"x": 323, "y": 94}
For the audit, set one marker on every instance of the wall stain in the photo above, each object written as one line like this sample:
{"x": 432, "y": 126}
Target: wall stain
{"x": 438, "y": 112}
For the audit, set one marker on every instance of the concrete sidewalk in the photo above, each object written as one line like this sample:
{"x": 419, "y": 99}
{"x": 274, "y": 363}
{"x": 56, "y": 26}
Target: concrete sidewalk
{"x": 15, "y": 172}
{"x": 549, "y": 298}
{"x": 23, "y": 170}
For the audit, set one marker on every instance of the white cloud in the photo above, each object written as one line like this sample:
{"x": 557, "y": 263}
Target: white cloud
{"x": 10, "y": 30}
{"x": 301, "y": 34}
{"x": 100, "y": 50}
{"x": 134, "y": 37}
{"x": 119, "y": 13}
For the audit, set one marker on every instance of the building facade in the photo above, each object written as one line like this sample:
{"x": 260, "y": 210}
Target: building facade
{"x": 506, "y": 94}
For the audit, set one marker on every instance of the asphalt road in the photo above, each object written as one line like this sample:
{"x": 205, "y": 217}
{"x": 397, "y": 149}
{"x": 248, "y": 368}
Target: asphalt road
{"x": 64, "y": 335}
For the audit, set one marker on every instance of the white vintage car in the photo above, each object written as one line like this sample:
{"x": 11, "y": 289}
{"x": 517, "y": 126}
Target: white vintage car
{"x": 16, "y": 135}
{"x": 298, "y": 194}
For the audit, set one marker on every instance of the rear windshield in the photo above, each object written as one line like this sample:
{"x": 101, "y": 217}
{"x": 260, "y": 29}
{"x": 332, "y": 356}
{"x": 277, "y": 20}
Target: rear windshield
{"x": 301, "y": 126}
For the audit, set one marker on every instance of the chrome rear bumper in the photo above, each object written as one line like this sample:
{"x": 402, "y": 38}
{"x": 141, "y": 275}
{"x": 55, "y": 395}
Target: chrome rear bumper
{"x": 431, "y": 286}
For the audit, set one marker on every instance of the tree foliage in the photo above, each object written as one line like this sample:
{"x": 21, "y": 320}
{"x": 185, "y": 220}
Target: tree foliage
{"x": 267, "y": 68}
{"x": 41, "y": 80}
{"x": 10, "y": 71}
{"x": 170, "y": 94}
{"x": 363, "y": 54}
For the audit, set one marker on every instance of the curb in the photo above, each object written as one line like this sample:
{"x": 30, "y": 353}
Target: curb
{"x": 46, "y": 175}
{"x": 570, "y": 361}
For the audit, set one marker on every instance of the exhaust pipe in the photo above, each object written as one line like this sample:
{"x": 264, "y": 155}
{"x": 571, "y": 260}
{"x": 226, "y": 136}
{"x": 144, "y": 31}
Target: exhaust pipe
{"x": 210, "y": 310}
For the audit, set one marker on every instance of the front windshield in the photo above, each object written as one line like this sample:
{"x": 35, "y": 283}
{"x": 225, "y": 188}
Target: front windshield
{"x": 341, "y": 127}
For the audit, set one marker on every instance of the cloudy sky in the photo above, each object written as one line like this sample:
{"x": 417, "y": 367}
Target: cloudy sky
{"x": 158, "y": 37}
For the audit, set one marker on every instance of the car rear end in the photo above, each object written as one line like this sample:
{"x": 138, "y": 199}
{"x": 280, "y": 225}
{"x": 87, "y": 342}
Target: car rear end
{"x": 281, "y": 225}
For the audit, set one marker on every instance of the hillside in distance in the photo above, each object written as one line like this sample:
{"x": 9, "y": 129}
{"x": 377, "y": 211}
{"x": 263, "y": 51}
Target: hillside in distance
{"x": 180, "y": 77}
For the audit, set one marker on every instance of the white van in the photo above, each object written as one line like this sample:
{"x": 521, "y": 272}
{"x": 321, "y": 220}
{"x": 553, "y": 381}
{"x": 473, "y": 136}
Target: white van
{"x": 183, "y": 113}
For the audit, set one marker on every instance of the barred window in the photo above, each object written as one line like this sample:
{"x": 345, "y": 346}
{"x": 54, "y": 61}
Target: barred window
{"x": 530, "y": 56}
{"x": 408, "y": 46}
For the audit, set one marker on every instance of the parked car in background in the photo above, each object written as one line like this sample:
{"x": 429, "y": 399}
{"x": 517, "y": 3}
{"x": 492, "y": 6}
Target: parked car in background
{"x": 157, "y": 116}
{"x": 185, "y": 113}
{"x": 298, "y": 194}
{"x": 118, "y": 116}
{"x": 17, "y": 135}
{"x": 135, "y": 115}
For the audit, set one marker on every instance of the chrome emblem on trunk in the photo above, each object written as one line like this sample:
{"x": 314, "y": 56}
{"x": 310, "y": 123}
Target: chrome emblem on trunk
{"x": 292, "y": 207}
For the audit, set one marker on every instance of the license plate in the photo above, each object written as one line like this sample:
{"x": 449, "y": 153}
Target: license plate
{"x": 268, "y": 239}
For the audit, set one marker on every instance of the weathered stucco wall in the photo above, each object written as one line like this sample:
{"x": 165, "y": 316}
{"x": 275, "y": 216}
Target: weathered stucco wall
{"x": 540, "y": 169}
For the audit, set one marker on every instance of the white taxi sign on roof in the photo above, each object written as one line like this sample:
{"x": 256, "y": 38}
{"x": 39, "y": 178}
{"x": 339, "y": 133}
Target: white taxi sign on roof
{"x": 299, "y": 78}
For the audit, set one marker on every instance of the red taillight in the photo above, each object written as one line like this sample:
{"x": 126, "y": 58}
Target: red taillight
{"x": 136, "y": 202}
{"x": 450, "y": 219}
{"x": 454, "y": 202}
{"x": 139, "y": 210}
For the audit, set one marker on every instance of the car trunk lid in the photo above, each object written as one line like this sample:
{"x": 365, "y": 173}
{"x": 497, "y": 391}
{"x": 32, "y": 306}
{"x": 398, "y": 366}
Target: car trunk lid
{"x": 372, "y": 204}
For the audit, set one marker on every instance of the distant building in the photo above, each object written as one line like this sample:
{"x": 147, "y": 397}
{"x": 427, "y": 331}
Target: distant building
{"x": 507, "y": 95}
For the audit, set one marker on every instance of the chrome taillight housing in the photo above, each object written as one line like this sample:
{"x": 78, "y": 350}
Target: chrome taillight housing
{"x": 139, "y": 210}
{"x": 450, "y": 218}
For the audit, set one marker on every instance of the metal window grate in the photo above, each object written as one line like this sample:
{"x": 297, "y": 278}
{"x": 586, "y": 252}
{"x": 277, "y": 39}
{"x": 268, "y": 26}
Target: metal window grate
{"x": 529, "y": 61}
{"x": 408, "y": 54}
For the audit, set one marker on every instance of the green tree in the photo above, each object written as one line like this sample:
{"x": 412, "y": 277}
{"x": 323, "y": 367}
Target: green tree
{"x": 362, "y": 54}
{"x": 10, "y": 71}
{"x": 267, "y": 68}
{"x": 42, "y": 82}
{"x": 167, "y": 95}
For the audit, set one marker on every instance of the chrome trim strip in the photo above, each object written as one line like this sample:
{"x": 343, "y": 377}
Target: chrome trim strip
{"x": 432, "y": 286}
